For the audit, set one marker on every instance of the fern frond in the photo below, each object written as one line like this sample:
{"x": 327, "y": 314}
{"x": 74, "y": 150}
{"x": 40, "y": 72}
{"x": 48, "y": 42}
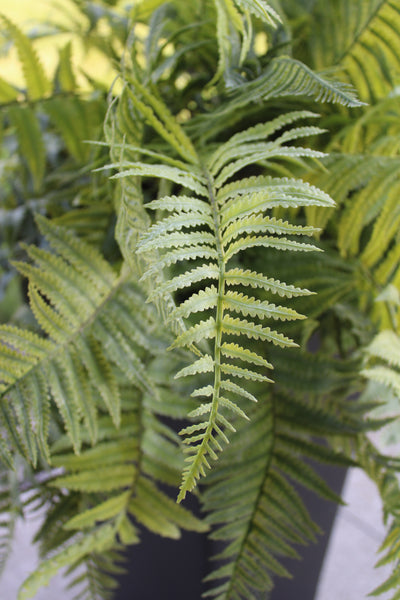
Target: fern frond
{"x": 257, "y": 280}
{"x": 65, "y": 72}
{"x": 386, "y": 346}
{"x": 96, "y": 579}
{"x": 161, "y": 119}
{"x": 184, "y": 178}
{"x": 285, "y": 77}
{"x": 385, "y": 229}
{"x": 229, "y": 24}
{"x": 380, "y": 470}
{"x": 74, "y": 120}
{"x": 227, "y": 219}
{"x": 10, "y": 511}
{"x": 75, "y": 366}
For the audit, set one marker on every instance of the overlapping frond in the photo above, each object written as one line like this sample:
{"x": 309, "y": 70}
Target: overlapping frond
{"x": 41, "y": 105}
{"x": 256, "y": 512}
{"x": 84, "y": 309}
{"x": 97, "y": 500}
{"x": 382, "y": 371}
{"x": 372, "y": 199}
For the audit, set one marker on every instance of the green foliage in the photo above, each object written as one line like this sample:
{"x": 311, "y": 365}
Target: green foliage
{"x": 214, "y": 238}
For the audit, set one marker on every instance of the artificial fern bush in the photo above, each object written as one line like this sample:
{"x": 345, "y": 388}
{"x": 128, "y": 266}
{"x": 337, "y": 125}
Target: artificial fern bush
{"x": 174, "y": 243}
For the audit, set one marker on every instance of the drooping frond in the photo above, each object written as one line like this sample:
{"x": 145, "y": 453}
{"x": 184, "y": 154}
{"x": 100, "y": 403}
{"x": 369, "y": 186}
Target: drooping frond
{"x": 229, "y": 218}
{"x": 234, "y": 34}
{"x": 367, "y": 48}
{"x": 284, "y": 77}
{"x": 100, "y": 540}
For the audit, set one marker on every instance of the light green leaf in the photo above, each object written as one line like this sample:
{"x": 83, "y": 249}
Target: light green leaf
{"x": 30, "y": 141}
{"x": 97, "y": 541}
{"x": 242, "y": 327}
{"x": 201, "y": 331}
{"x": 205, "y": 364}
{"x": 246, "y": 305}
{"x": 235, "y": 351}
{"x": 183, "y": 178}
{"x": 102, "y": 512}
{"x": 258, "y": 280}
{"x": 98, "y": 480}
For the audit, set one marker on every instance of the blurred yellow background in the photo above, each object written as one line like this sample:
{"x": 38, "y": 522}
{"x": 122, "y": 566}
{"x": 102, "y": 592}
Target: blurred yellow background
{"x": 28, "y": 14}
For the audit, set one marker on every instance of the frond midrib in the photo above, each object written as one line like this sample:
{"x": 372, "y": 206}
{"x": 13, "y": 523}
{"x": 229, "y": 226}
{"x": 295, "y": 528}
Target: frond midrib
{"x": 250, "y": 521}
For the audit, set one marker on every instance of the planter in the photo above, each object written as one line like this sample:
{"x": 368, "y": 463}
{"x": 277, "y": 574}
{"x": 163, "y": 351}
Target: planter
{"x": 173, "y": 570}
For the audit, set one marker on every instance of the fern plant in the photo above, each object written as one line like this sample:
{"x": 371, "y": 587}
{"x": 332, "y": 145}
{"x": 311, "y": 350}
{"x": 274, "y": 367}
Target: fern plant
{"x": 186, "y": 230}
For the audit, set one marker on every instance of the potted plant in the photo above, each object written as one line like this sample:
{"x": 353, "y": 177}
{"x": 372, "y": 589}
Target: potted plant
{"x": 213, "y": 243}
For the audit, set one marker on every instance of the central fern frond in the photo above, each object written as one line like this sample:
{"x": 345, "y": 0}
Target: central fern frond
{"x": 213, "y": 224}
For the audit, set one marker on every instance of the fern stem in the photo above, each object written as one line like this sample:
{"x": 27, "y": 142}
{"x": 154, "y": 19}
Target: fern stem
{"x": 221, "y": 292}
